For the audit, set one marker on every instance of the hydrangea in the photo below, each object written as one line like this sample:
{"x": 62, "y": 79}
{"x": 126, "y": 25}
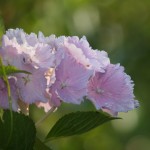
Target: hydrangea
{"x": 32, "y": 88}
{"x": 71, "y": 80}
{"x": 63, "y": 69}
{"x": 83, "y": 53}
{"x": 21, "y": 52}
{"x": 27, "y": 52}
{"x": 112, "y": 90}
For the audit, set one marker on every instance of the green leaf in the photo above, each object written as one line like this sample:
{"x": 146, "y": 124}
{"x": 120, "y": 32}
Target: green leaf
{"x": 11, "y": 70}
{"x": 39, "y": 145}
{"x": 23, "y": 134}
{"x": 77, "y": 123}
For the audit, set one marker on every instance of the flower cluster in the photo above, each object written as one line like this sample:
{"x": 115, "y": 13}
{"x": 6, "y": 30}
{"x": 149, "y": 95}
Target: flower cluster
{"x": 63, "y": 69}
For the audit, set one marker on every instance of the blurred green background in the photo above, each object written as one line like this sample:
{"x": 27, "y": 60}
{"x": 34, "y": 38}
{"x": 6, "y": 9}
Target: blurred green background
{"x": 122, "y": 28}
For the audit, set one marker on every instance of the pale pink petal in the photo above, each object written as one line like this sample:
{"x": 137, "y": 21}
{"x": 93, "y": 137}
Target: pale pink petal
{"x": 46, "y": 106}
{"x": 71, "y": 80}
{"x": 32, "y": 88}
{"x": 98, "y": 60}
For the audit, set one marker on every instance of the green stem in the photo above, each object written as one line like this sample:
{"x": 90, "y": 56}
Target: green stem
{"x": 45, "y": 116}
{"x": 9, "y": 99}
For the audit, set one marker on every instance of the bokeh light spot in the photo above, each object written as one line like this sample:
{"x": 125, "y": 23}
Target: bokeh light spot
{"x": 127, "y": 123}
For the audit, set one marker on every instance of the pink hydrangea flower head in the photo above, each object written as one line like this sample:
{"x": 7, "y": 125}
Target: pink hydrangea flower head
{"x": 20, "y": 49}
{"x": 71, "y": 81}
{"x": 84, "y": 54}
{"x": 63, "y": 69}
{"x": 28, "y": 53}
{"x": 112, "y": 90}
